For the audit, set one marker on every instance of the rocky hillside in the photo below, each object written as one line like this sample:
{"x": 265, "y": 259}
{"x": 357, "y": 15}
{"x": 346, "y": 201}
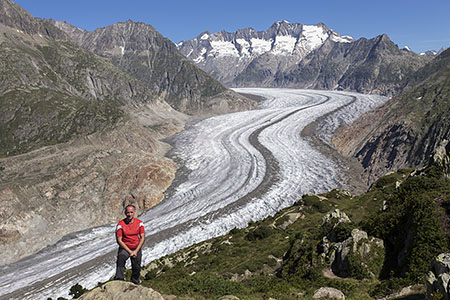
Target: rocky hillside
{"x": 353, "y": 247}
{"x": 407, "y": 129}
{"x": 140, "y": 50}
{"x": 79, "y": 136}
{"x": 303, "y": 56}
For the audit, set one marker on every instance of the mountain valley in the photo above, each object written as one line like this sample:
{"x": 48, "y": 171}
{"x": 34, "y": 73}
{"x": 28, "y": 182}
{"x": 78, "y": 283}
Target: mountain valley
{"x": 79, "y": 134}
{"x": 237, "y": 148}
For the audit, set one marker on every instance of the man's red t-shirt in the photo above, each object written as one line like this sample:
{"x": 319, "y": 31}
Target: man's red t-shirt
{"x": 130, "y": 232}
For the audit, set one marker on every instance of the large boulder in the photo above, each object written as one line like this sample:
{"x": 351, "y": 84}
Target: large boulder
{"x": 335, "y": 217}
{"x": 118, "y": 290}
{"x": 350, "y": 252}
{"x": 328, "y": 293}
{"x": 357, "y": 256}
{"x": 438, "y": 279}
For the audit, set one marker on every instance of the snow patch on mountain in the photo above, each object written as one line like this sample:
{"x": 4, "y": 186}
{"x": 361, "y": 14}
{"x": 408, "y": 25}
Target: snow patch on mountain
{"x": 313, "y": 37}
{"x": 260, "y": 46}
{"x": 223, "y": 48}
{"x": 284, "y": 45}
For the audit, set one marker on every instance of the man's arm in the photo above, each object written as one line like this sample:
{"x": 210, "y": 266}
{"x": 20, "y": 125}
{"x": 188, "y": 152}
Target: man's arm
{"x": 122, "y": 244}
{"x": 141, "y": 242}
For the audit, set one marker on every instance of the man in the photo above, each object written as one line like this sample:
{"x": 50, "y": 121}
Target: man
{"x": 130, "y": 236}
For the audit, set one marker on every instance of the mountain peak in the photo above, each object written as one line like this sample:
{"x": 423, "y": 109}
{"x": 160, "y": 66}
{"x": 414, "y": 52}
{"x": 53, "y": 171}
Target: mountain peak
{"x": 12, "y": 15}
{"x": 284, "y": 42}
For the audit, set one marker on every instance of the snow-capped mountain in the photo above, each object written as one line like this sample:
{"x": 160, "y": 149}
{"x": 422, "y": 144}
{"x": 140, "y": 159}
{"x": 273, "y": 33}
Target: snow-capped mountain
{"x": 303, "y": 56}
{"x": 225, "y": 55}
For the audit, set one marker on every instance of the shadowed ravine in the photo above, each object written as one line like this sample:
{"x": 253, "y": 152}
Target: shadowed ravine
{"x": 241, "y": 167}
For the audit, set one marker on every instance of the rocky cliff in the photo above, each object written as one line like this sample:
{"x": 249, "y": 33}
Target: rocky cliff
{"x": 408, "y": 129}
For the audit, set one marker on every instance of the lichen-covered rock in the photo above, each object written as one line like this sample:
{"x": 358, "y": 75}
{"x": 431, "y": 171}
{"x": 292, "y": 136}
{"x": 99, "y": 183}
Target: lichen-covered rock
{"x": 335, "y": 217}
{"x": 229, "y": 297}
{"x": 328, "y": 293}
{"x": 441, "y": 156}
{"x": 357, "y": 256}
{"x": 438, "y": 279}
{"x": 117, "y": 290}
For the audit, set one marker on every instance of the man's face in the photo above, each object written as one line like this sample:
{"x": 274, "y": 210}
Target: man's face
{"x": 129, "y": 212}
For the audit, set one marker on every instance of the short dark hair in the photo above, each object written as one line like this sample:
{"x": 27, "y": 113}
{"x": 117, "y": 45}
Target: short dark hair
{"x": 129, "y": 205}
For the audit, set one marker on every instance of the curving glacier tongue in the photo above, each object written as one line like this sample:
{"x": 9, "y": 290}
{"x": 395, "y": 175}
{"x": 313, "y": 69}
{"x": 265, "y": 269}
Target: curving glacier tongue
{"x": 237, "y": 168}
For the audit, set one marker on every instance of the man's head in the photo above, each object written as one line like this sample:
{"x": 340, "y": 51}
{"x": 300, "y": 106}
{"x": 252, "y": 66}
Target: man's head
{"x": 129, "y": 212}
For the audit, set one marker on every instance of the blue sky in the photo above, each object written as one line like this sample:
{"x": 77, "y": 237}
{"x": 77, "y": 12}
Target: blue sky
{"x": 421, "y": 25}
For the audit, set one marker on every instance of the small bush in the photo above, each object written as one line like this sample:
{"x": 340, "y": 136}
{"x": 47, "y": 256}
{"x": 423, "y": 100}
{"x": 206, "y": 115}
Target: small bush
{"x": 207, "y": 285}
{"x": 342, "y": 231}
{"x": 387, "y": 287}
{"x": 261, "y": 232}
{"x": 77, "y": 290}
{"x": 315, "y": 203}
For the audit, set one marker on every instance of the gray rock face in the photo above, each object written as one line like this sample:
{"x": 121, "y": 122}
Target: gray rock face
{"x": 358, "y": 252}
{"x": 438, "y": 279}
{"x": 357, "y": 256}
{"x": 407, "y": 130}
{"x": 441, "y": 156}
{"x": 328, "y": 293}
{"x": 117, "y": 290}
{"x": 335, "y": 217}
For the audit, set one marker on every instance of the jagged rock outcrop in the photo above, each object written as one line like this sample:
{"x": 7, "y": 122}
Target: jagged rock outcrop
{"x": 328, "y": 293}
{"x": 118, "y": 290}
{"x": 335, "y": 217}
{"x": 406, "y": 131}
{"x": 441, "y": 156}
{"x": 140, "y": 50}
{"x": 357, "y": 256}
{"x": 303, "y": 56}
{"x": 438, "y": 279}
{"x": 353, "y": 255}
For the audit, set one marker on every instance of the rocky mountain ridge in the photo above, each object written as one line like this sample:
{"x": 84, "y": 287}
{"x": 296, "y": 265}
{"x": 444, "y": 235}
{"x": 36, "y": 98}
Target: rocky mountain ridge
{"x": 406, "y": 130}
{"x": 138, "y": 49}
{"x": 225, "y": 55}
{"x": 303, "y": 56}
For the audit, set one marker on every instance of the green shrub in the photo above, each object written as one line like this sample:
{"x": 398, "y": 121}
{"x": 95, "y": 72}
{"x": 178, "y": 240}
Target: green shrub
{"x": 315, "y": 203}
{"x": 282, "y": 220}
{"x": 77, "y": 290}
{"x": 342, "y": 231}
{"x": 259, "y": 233}
{"x": 387, "y": 287}
{"x": 410, "y": 226}
{"x": 207, "y": 285}
{"x": 150, "y": 275}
